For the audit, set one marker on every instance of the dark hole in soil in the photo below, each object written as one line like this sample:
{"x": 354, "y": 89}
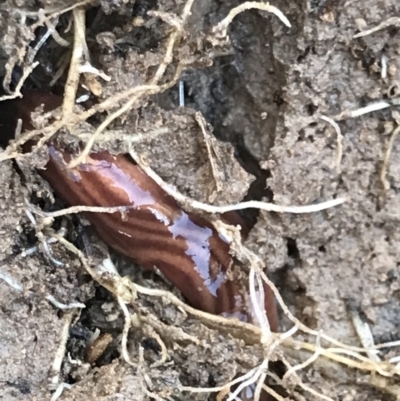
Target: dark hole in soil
{"x": 292, "y": 250}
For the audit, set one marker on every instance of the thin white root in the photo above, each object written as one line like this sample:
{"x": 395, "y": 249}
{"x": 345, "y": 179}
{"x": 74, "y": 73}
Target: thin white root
{"x": 125, "y": 332}
{"x": 307, "y": 362}
{"x": 385, "y": 164}
{"x": 208, "y": 141}
{"x": 60, "y": 353}
{"x": 239, "y": 206}
{"x": 220, "y": 30}
{"x": 339, "y": 136}
{"x": 11, "y": 282}
{"x": 62, "y": 306}
{"x": 391, "y": 21}
{"x": 51, "y": 29}
{"x": 60, "y": 389}
{"x": 361, "y": 111}
{"x": 78, "y": 51}
{"x": 365, "y": 335}
{"x": 17, "y": 92}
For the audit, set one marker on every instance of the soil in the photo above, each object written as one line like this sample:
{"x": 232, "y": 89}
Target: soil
{"x": 262, "y": 95}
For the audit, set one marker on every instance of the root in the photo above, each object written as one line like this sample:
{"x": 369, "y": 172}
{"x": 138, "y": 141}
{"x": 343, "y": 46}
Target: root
{"x": 210, "y": 149}
{"x": 339, "y": 137}
{"x": 221, "y": 29}
{"x": 50, "y": 31}
{"x": 17, "y": 93}
{"x": 271, "y": 207}
{"x": 59, "y": 357}
{"x": 394, "y": 21}
{"x": 385, "y": 165}
{"x": 80, "y": 48}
